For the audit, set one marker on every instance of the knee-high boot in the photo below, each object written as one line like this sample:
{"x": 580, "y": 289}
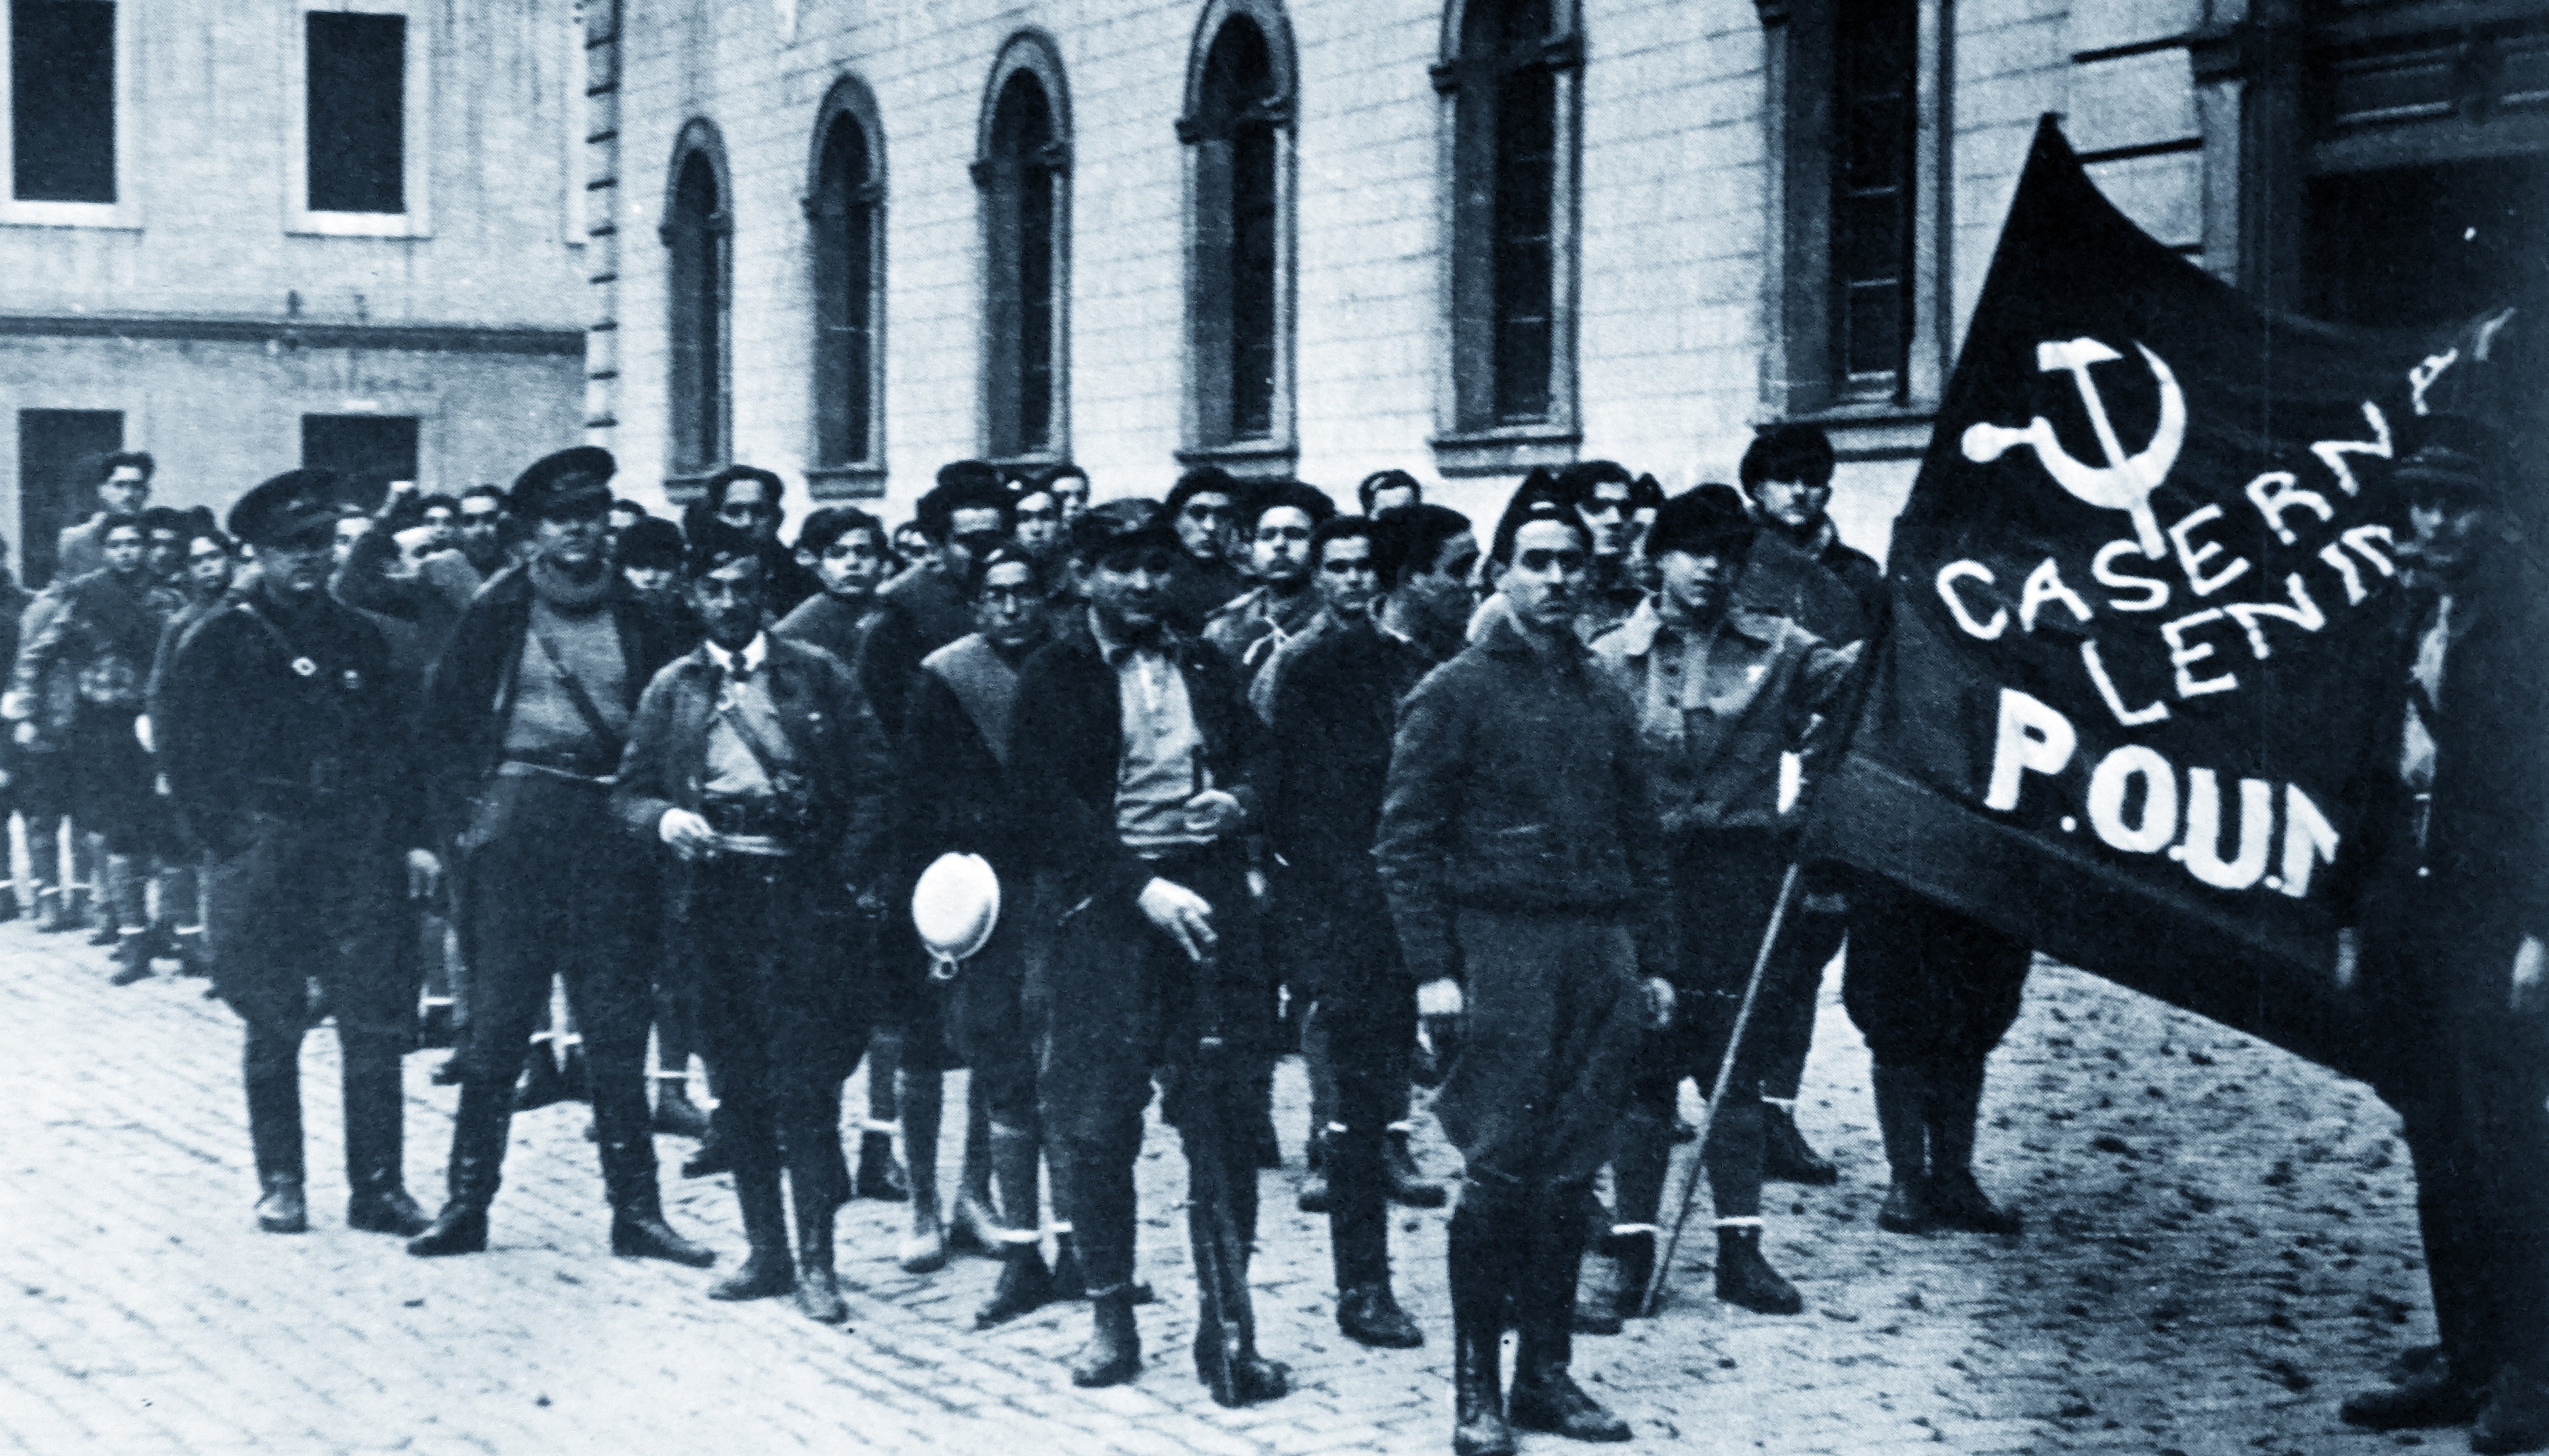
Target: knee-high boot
{"x": 1226, "y": 1324}
{"x": 637, "y": 1226}
{"x": 270, "y": 1066}
{"x": 1638, "y": 1166}
{"x": 1957, "y": 1200}
{"x": 1545, "y": 1395}
{"x": 1358, "y": 1240}
{"x": 768, "y": 1270}
{"x": 1025, "y": 1283}
{"x": 1902, "y": 1096}
{"x": 478, "y": 1137}
{"x": 1486, "y": 1247}
{"x": 376, "y": 1139}
{"x": 818, "y": 1297}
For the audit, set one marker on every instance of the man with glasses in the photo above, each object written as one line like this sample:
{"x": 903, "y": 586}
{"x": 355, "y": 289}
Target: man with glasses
{"x": 1204, "y": 511}
{"x": 754, "y": 501}
{"x": 525, "y": 718}
{"x": 1605, "y": 497}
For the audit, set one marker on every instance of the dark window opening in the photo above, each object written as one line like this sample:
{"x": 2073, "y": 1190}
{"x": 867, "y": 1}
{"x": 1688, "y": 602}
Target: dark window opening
{"x": 1238, "y": 247}
{"x": 845, "y": 299}
{"x": 61, "y": 100}
{"x": 365, "y": 451}
{"x": 1526, "y": 162}
{"x": 57, "y": 477}
{"x": 1509, "y": 220}
{"x": 1022, "y": 185}
{"x": 357, "y": 113}
{"x": 1875, "y": 115}
{"x": 697, "y": 286}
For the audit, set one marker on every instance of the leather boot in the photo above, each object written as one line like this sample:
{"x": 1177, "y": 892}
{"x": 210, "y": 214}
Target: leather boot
{"x": 1114, "y": 1354}
{"x": 9, "y": 907}
{"x": 478, "y": 1137}
{"x": 106, "y": 907}
{"x": 1640, "y": 1161}
{"x": 282, "y": 1209}
{"x": 1318, "y": 1185}
{"x": 637, "y": 1226}
{"x": 1786, "y": 1155}
{"x": 1026, "y": 1284}
{"x": 818, "y": 1297}
{"x": 1544, "y": 1396}
{"x": 1068, "y": 1281}
{"x": 712, "y": 1156}
{"x": 1223, "y": 1303}
{"x": 2515, "y": 1416}
{"x": 767, "y": 1271}
{"x": 1902, "y": 1096}
{"x": 270, "y": 1069}
{"x": 541, "y": 1085}
{"x": 879, "y": 1176}
{"x": 376, "y": 1139}
{"x": 1485, "y": 1254}
{"x": 1407, "y": 1182}
{"x": 675, "y": 1113}
{"x": 1634, "y": 1253}
{"x": 186, "y": 943}
{"x": 2437, "y": 1394}
{"x": 971, "y": 1226}
{"x": 132, "y": 958}
{"x": 1744, "y": 1278}
{"x": 1955, "y": 1200}
{"x": 77, "y": 909}
{"x": 1359, "y": 1242}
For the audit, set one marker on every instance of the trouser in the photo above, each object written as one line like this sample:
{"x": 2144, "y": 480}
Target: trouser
{"x": 1928, "y": 987}
{"x": 560, "y": 888}
{"x": 785, "y": 1020}
{"x": 1367, "y": 1030}
{"x": 1556, "y": 1016}
{"x": 1119, "y": 1002}
{"x": 307, "y": 900}
{"x": 1810, "y": 939}
{"x": 1318, "y": 1060}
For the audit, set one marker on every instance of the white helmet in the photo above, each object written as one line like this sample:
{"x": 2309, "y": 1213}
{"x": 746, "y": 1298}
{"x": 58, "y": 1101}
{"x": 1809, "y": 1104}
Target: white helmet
{"x": 955, "y": 906}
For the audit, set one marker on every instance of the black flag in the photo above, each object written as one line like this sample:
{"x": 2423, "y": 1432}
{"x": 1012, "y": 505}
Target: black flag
{"x": 2147, "y": 617}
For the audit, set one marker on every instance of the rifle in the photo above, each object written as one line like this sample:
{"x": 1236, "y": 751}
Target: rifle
{"x": 1227, "y": 1324}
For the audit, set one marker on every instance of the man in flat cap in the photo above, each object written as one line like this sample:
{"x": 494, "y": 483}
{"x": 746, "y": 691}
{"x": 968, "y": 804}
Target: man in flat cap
{"x": 755, "y": 759}
{"x": 283, "y": 734}
{"x": 526, "y": 719}
{"x": 1133, "y": 787}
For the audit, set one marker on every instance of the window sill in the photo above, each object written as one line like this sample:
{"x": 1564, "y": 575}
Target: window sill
{"x": 115, "y": 216}
{"x": 681, "y": 490}
{"x": 1507, "y": 452}
{"x": 1247, "y": 460}
{"x": 1872, "y": 431}
{"x": 845, "y": 482}
{"x": 358, "y": 225}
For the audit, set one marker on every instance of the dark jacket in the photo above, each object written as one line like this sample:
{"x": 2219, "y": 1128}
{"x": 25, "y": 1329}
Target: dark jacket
{"x": 103, "y": 633}
{"x": 1201, "y": 587}
{"x": 1823, "y": 586}
{"x": 835, "y": 742}
{"x": 1517, "y": 785}
{"x": 954, "y": 794}
{"x": 1069, "y": 742}
{"x": 1335, "y": 710}
{"x": 240, "y": 728}
{"x": 918, "y": 613}
{"x": 2486, "y": 839}
{"x": 470, "y": 694}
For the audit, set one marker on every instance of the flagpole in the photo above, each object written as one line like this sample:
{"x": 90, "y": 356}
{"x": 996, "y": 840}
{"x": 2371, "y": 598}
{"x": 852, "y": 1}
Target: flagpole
{"x": 1717, "y": 1095}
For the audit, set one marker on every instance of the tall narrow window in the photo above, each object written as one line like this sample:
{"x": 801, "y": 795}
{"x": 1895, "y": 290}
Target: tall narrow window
{"x": 61, "y": 100}
{"x": 1237, "y": 124}
{"x": 844, "y": 209}
{"x": 357, "y": 113}
{"x": 1023, "y": 174}
{"x": 1875, "y": 91}
{"x": 697, "y": 232}
{"x": 1511, "y": 95}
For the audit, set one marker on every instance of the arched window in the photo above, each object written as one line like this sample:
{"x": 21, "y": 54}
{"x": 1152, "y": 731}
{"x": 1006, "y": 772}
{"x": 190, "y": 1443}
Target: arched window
{"x": 698, "y": 234}
{"x": 1509, "y": 87}
{"x": 846, "y": 212}
{"x": 1237, "y": 129}
{"x": 1024, "y": 173}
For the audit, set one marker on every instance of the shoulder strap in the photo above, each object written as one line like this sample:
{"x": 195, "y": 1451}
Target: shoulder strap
{"x": 585, "y": 708}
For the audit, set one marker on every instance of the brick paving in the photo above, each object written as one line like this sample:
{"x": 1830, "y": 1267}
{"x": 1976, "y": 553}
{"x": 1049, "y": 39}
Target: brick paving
{"x": 2221, "y": 1239}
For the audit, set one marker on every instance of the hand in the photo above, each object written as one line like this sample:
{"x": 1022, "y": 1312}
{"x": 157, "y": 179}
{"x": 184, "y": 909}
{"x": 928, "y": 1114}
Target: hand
{"x": 25, "y": 733}
{"x": 2530, "y": 968}
{"x": 1185, "y": 915}
{"x": 1660, "y": 1002}
{"x": 141, "y": 731}
{"x": 1440, "y": 1012}
{"x": 1215, "y": 814}
{"x": 688, "y": 834}
{"x": 1260, "y": 888}
{"x": 424, "y": 874}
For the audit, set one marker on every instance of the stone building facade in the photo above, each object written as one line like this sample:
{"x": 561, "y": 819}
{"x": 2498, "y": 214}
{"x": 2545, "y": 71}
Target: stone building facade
{"x": 247, "y": 236}
{"x": 850, "y": 239}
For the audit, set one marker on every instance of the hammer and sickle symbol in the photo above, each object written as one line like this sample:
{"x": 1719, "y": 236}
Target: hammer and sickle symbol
{"x": 2125, "y": 481}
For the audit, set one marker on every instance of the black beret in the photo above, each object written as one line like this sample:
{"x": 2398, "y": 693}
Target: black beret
{"x": 569, "y": 481}
{"x": 970, "y": 475}
{"x": 650, "y": 541}
{"x": 1707, "y": 521}
{"x": 715, "y": 545}
{"x": 1119, "y": 526}
{"x": 1538, "y": 498}
{"x": 292, "y": 504}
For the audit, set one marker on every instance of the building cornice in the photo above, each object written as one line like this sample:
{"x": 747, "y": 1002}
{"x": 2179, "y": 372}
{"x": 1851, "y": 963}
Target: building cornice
{"x": 294, "y": 334}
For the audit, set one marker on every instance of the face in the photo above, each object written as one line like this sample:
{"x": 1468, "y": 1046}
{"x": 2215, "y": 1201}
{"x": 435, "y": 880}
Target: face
{"x": 747, "y": 509}
{"x": 850, "y": 567}
{"x": 1441, "y": 591}
{"x": 1606, "y": 515}
{"x": 1347, "y": 582}
{"x": 1130, "y": 589}
{"x": 298, "y": 567}
{"x": 1039, "y": 522}
{"x": 349, "y": 530}
{"x": 654, "y": 583}
{"x": 728, "y": 601}
{"x": 911, "y": 544}
{"x": 1072, "y": 493}
{"x": 1010, "y": 609}
{"x": 2450, "y": 534}
{"x": 479, "y": 519}
{"x": 166, "y": 554}
{"x": 620, "y": 520}
{"x": 1391, "y": 496}
{"x": 970, "y": 533}
{"x": 1793, "y": 504}
{"x": 1545, "y": 580}
{"x": 437, "y": 519}
{"x": 1281, "y": 549}
{"x": 576, "y": 541}
{"x": 124, "y": 548}
{"x": 124, "y": 492}
{"x": 208, "y": 566}
{"x": 1204, "y": 524}
{"x": 1699, "y": 583}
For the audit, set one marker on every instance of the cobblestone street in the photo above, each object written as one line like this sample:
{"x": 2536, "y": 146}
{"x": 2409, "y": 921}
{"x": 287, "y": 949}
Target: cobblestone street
{"x": 2221, "y": 1242}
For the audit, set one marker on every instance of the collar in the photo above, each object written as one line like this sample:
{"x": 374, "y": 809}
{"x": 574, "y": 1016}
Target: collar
{"x": 1638, "y": 635}
{"x": 754, "y": 653}
{"x": 1505, "y": 636}
{"x": 1114, "y": 651}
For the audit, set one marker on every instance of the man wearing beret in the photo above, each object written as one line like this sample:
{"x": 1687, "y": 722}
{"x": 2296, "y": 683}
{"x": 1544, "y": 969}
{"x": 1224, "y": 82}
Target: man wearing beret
{"x": 284, "y": 735}
{"x": 525, "y": 718}
{"x": 1135, "y": 765}
{"x": 756, "y": 759}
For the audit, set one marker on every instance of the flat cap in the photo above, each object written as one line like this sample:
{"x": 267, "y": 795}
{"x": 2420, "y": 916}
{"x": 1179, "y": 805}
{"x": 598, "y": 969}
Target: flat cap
{"x": 2455, "y": 456}
{"x": 292, "y": 504}
{"x": 567, "y": 482}
{"x": 650, "y": 541}
{"x": 1120, "y": 525}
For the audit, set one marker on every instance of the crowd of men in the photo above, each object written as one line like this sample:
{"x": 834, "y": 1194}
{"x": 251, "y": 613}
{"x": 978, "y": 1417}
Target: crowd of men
{"x": 1254, "y": 773}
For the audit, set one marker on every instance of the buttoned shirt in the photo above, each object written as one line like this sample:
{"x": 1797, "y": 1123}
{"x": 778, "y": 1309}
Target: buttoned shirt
{"x": 743, "y": 693}
{"x": 1157, "y": 772}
